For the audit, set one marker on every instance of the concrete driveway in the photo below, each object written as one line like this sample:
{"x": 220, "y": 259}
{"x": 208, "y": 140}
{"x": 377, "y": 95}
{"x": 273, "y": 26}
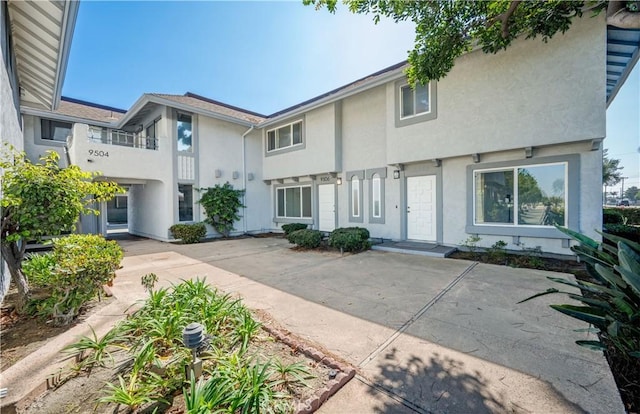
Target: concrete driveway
{"x": 426, "y": 334}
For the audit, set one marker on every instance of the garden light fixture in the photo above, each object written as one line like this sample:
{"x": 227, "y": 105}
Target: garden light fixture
{"x": 193, "y": 337}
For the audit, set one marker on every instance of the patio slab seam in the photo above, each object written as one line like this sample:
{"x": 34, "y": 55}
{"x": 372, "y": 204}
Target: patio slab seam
{"x": 416, "y": 316}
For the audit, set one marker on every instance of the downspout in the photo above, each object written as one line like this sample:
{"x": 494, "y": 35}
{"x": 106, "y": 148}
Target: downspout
{"x": 244, "y": 178}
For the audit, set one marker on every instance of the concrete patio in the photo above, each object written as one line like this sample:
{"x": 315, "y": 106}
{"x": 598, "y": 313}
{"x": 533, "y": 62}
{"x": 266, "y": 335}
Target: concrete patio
{"x": 426, "y": 335}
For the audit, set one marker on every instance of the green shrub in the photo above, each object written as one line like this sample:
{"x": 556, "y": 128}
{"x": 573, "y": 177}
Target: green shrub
{"x": 350, "y": 239}
{"x": 38, "y": 268}
{"x": 612, "y": 303}
{"x": 84, "y": 263}
{"x": 628, "y": 232}
{"x": 631, "y": 214}
{"x": 188, "y": 233}
{"x": 221, "y": 204}
{"x": 291, "y": 227}
{"x": 306, "y": 238}
{"x": 612, "y": 216}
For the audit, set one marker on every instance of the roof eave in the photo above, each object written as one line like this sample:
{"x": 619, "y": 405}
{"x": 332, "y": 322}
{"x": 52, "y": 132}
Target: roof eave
{"x": 377, "y": 81}
{"x": 146, "y": 98}
{"x": 68, "y": 27}
{"x": 26, "y": 110}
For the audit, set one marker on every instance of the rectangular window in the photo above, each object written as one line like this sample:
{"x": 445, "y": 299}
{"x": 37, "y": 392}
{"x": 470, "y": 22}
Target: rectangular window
{"x": 285, "y": 136}
{"x": 355, "y": 197}
{"x": 185, "y": 202}
{"x": 532, "y": 195}
{"x": 294, "y": 202}
{"x": 121, "y": 201}
{"x": 185, "y": 132}
{"x": 415, "y": 101}
{"x": 55, "y": 130}
{"x": 376, "y": 199}
{"x": 97, "y": 134}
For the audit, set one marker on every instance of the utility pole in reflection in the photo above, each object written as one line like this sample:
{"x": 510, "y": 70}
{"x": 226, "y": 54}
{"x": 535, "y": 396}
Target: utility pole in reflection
{"x": 622, "y": 190}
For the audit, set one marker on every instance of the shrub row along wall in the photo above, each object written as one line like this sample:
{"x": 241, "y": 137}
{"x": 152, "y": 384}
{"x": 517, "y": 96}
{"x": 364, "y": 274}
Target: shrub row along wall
{"x": 632, "y": 215}
{"x": 347, "y": 239}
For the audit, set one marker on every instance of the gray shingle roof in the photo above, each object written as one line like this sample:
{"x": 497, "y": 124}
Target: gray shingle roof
{"x": 89, "y": 111}
{"x": 200, "y": 102}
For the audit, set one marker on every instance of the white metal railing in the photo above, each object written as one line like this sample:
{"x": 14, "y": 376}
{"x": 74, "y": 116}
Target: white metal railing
{"x": 121, "y": 138}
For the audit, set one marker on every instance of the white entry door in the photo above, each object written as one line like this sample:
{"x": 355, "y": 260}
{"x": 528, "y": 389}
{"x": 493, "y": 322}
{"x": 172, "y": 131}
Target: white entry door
{"x": 421, "y": 208}
{"x": 326, "y": 207}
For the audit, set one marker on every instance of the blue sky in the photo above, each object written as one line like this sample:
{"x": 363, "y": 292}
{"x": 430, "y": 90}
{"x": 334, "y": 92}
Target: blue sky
{"x": 261, "y": 56}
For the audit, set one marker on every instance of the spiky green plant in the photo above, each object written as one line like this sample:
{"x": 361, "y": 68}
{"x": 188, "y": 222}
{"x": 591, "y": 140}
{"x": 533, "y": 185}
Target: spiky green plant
{"x": 91, "y": 351}
{"x": 612, "y": 303}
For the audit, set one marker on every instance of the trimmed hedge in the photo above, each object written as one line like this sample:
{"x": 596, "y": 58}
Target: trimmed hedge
{"x": 291, "y": 227}
{"x": 188, "y": 233}
{"x": 632, "y": 214}
{"x": 350, "y": 239}
{"x": 306, "y": 238}
{"x": 83, "y": 264}
{"x": 628, "y": 232}
{"x": 611, "y": 216}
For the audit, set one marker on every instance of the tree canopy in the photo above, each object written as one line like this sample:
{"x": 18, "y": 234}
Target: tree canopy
{"x": 611, "y": 170}
{"x": 40, "y": 200}
{"x": 447, "y": 29}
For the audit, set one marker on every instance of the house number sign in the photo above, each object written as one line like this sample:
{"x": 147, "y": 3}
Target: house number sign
{"x": 325, "y": 179}
{"x": 98, "y": 153}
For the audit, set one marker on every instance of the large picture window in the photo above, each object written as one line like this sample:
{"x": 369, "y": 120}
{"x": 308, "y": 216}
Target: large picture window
{"x": 534, "y": 195}
{"x": 185, "y": 202}
{"x": 285, "y": 136}
{"x": 294, "y": 202}
{"x": 55, "y": 130}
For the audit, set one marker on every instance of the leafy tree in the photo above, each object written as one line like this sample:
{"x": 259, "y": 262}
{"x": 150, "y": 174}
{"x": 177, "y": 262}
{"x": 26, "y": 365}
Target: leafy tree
{"x": 611, "y": 170}
{"x": 446, "y": 30}
{"x": 221, "y": 204}
{"x": 529, "y": 191}
{"x": 632, "y": 193}
{"x": 40, "y": 200}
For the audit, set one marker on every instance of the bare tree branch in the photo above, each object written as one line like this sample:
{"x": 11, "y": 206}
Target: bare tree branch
{"x": 503, "y": 18}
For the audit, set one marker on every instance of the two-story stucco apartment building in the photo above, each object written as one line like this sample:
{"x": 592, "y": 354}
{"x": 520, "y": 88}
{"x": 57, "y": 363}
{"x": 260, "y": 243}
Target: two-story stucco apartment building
{"x": 503, "y": 147}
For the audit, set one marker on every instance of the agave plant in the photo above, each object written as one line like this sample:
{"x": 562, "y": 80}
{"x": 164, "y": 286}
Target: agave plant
{"x": 612, "y": 304}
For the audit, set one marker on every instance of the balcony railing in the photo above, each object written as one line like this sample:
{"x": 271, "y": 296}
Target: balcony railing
{"x": 121, "y": 138}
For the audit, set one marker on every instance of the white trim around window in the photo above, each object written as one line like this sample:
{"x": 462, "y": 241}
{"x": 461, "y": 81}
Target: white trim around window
{"x": 294, "y": 202}
{"x": 284, "y": 137}
{"x": 533, "y": 195}
{"x": 557, "y": 167}
{"x": 414, "y": 105}
{"x": 355, "y": 179}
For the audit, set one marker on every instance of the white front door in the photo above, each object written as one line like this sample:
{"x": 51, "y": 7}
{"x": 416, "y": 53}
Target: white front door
{"x": 421, "y": 208}
{"x": 326, "y": 207}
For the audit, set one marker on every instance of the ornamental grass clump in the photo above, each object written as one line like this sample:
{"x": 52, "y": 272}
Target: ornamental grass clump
{"x": 236, "y": 379}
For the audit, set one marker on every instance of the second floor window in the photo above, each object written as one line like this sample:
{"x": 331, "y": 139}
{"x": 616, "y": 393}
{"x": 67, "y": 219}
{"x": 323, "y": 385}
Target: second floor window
{"x": 414, "y": 101}
{"x": 55, "y": 130}
{"x": 185, "y": 133}
{"x": 285, "y": 136}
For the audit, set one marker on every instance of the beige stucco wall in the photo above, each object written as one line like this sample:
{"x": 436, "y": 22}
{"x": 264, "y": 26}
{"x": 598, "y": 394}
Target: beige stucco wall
{"x": 456, "y": 195}
{"x": 319, "y": 152}
{"x": 221, "y": 148}
{"x": 34, "y": 147}
{"x": 531, "y": 94}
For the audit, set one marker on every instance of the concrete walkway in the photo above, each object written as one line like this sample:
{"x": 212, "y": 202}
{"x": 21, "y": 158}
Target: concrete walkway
{"x": 426, "y": 334}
